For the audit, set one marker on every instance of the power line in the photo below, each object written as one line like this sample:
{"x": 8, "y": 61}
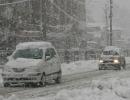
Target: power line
{"x": 4, "y": 4}
{"x": 70, "y": 16}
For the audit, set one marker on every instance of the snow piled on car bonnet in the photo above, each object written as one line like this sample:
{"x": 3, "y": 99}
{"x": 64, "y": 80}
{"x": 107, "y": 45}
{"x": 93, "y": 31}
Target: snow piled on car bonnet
{"x": 23, "y": 63}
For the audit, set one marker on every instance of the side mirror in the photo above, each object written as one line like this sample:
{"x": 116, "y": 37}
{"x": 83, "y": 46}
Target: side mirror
{"x": 48, "y": 57}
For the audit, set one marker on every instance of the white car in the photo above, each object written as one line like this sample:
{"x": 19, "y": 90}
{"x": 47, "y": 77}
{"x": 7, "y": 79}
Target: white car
{"x": 32, "y": 63}
{"x": 112, "y": 58}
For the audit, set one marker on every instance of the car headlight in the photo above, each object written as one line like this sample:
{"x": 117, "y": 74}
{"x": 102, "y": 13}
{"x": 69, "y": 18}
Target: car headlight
{"x": 101, "y": 61}
{"x": 116, "y": 61}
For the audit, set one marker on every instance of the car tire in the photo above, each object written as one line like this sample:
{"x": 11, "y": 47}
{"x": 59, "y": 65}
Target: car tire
{"x": 119, "y": 68}
{"x": 124, "y": 65}
{"x": 58, "y": 79}
{"x": 99, "y": 68}
{"x": 32, "y": 85}
{"x": 43, "y": 80}
{"x": 6, "y": 84}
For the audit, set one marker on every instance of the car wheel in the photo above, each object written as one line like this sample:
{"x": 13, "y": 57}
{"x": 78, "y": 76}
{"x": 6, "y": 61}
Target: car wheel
{"x": 119, "y": 68}
{"x": 43, "y": 80}
{"x": 6, "y": 84}
{"x": 124, "y": 65}
{"x": 58, "y": 79}
{"x": 99, "y": 68}
{"x": 34, "y": 85}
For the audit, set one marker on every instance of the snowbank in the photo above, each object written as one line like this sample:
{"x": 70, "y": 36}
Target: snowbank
{"x": 79, "y": 66}
{"x": 103, "y": 89}
{"x": 127, "y": 60}
{"x": 82, "y": 66}
{"x": 100, "y": 89}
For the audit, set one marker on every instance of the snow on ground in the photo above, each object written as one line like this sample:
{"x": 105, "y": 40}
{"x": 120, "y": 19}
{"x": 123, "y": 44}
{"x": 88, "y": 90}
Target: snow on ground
{"x": 127, "y": 60}
{"x": 115, "y": 88}
{"x": 82, "y": 66}
{"x": 102, "y": 89}
{"x": 79, "y": 66}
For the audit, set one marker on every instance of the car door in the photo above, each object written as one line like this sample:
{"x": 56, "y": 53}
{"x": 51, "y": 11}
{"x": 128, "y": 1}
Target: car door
{"x": 55, "y": 60}
{"x": 48, "y": 61}
{"x": 122, "y": 56}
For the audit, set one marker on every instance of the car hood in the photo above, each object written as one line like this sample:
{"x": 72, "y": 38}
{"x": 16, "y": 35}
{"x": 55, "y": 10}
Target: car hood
{"x": 23, "y": 63}
{"x": 108, "y": 57}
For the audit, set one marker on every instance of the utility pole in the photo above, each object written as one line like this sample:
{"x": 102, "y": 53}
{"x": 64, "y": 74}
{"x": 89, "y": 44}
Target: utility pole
{"x": 107, "y": 36}
{"x": 43, "y": 18}
{"x": 111, "y": 35}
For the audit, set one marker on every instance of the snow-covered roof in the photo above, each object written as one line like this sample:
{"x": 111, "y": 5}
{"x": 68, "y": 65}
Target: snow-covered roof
{"x": 114, "y": 48}
{"x": 34, "y": 45}
{"x": 92, "y": 42}
{"x": 101, "y": 25}
{"x": 116, "y": 28}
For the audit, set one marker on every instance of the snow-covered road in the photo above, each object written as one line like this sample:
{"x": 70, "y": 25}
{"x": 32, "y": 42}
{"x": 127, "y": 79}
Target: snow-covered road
{"x": 75, "y": 79}
{"x": 85, "y": 81}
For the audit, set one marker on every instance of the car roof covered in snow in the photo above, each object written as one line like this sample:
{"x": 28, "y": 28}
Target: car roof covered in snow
{"x": 34, "y": 45}
{"x": 112, "y": 48}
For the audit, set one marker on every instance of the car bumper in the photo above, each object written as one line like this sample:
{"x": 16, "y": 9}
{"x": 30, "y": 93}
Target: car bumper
{"x": 109, "y": 66}
{"x": 20, "y": 78}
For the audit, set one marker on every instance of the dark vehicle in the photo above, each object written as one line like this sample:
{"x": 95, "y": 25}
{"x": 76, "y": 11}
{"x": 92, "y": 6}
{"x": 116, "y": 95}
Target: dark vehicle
{"x": 112, "y": 58}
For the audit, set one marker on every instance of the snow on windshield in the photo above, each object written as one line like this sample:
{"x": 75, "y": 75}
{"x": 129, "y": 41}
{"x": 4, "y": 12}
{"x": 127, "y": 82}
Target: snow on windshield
{"x": 111, "y": 50}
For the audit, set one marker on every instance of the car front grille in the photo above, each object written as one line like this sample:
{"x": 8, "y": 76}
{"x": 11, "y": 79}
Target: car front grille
{"x": 110, "y": 61}
{"x": 19, "y": 79}
{"x": 18, "y": 69}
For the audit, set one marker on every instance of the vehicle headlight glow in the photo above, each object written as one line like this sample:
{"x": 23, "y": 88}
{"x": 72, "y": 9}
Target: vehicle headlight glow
{"x": 101, "y": 61}
{"x": 116, "y": 61}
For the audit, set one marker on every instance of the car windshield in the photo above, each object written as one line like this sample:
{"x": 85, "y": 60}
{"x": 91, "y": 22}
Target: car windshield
{"x": 29, "y": 53}
{"x": 110, "y": 52}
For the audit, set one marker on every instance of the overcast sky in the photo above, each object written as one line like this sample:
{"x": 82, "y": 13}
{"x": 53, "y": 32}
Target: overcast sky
{"x": 121, "y": 12}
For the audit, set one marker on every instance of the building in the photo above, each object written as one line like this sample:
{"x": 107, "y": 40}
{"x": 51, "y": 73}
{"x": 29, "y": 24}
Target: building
{"x": 116, "y": 35}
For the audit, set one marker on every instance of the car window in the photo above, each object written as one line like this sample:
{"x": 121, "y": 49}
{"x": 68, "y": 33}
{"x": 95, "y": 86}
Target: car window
{"x": 50, "y": 52}
{"x": 110, "y": 52}
{"x": 53, "y": 53}
{"x": 29, "y": 53}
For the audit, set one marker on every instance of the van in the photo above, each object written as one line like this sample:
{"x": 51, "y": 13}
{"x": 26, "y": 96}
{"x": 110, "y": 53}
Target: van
{"x": 112, "y": 57}
{"x": 32, "y": 63}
